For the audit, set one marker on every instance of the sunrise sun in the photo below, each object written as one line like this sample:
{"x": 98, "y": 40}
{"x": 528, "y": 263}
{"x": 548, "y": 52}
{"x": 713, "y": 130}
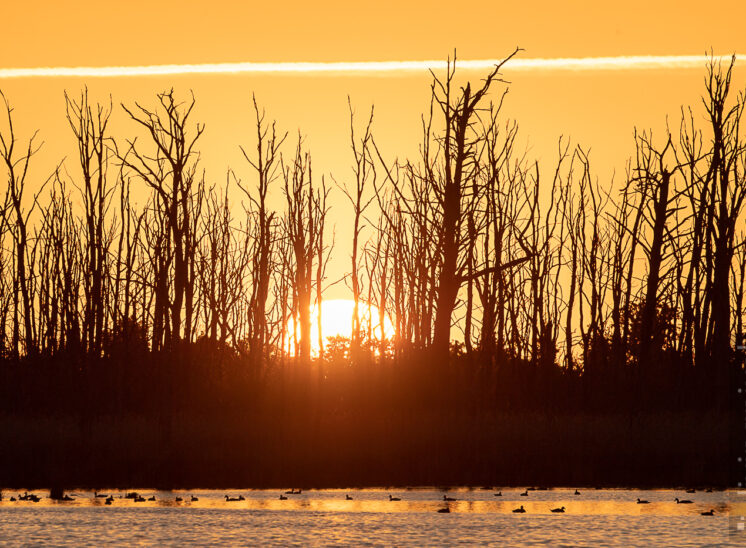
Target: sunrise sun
{"x": 336, "y": 321}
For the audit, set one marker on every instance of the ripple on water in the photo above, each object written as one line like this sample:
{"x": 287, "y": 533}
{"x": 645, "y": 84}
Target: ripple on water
{"x": 595, "y": 518}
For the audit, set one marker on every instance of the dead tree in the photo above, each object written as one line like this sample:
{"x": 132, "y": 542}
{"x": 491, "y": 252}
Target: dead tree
{"x": 365, "y": 173}
{"x": 170, "y": 172}
{"x": 266, "y": 165}
{"x": 16, "y": 164}
{"x": 89, "y": 125}
{"x": 304, "y": 229}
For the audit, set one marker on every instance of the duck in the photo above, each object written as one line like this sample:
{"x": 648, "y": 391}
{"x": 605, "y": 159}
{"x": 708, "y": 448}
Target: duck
{"x": 139, "y": 499}
{"x": 708, "y": 490}
{"x": 109, "y": 502}
{"x": 682, "y": 501}
{"x": 132, "y": 495}
{"x": 110, "y": 499}
{"x": 232, "y": 499}
{"x": 690, "y": 491}
{"x": 393, "y": 499}
{"x": 12, "y": 499}
{"x": 283, "y": 497}
{"x": 560, "y": 510}
{"x": 498, "y": 494}
{"x": 708, "y": 513}
{"x": 643, "y": 501}
{"x": 348, "y": 497}
{"x": 67, "y": 498}
{"x": 577, "y": 492}
{"x": 445, "y": 510}
{"x": 152, "y": 499}
{"x": 525, "y": 493}
{"x": 179, "y": 499}
{"x": 240, "y": 497}
{"x": 448, "y": 499}
{"x": 520, "y": 510}
{"x": 194, "y": 499}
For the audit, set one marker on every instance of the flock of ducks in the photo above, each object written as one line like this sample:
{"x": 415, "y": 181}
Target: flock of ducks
{"x": 136, "y": 497}
{"x": 561, "y": 509}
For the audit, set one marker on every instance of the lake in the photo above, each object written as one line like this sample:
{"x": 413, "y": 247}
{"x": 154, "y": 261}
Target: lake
{"x": 595, "y": 517}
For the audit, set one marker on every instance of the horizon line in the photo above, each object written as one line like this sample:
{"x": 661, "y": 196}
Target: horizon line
{"x": 571, "y": 64}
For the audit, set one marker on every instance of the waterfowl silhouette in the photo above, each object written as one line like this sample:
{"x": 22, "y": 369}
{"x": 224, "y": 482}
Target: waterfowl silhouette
{"x": 194, "y": 499}
{"x": 139, "y": 499}
{"x": 152, "y": 499}
{"x": 708, "y": 490}
{"x": 232, "y": 499}
{"x": 392, "y": 499}
{"x": 520, "y": 510}
{"x": 445, "y": 510}
{"x": 683, "y": 501}
{"x": 283, "y": 497}
{"x": 690, "y": 491}
{"x": 110, "y": 499}
{"x": 179, "y": 499}
{"x": 67, "y": 498}
{"x": 642, "y": 501}
{"x": 348, "y": 497}
{"x": 708, "y": 513}
{"x": 109, "y": 502}
{"x": 12, "y": 499}
{"x": 577, "y": 492}
{"x": 498, "y": 494}
{"x": 448, "y": 499}
{"x": 132, "y": 495}
{"x": 525, "y": 493}
{"x": 240, "y": 497}
{"x": 560, "y": 510}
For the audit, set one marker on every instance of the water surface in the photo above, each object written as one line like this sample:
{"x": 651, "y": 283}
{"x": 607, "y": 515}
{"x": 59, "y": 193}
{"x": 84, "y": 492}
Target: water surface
{"x": 608, "y": 517}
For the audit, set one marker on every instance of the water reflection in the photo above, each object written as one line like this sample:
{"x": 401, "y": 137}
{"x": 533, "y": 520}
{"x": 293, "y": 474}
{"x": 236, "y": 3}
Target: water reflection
{"x": 472, "y": 501}
{"x": 325, "y": 517}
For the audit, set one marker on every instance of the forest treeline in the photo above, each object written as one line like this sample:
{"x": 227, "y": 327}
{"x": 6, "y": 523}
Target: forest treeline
{"x": 510, "y": 287}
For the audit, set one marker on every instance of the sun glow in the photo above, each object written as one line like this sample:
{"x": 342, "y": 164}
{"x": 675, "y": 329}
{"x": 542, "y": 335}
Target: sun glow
{"x": 336, "y": 321}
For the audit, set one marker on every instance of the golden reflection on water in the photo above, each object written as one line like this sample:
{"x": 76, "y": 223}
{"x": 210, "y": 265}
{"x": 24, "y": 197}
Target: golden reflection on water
{"x": 592, "y": 502}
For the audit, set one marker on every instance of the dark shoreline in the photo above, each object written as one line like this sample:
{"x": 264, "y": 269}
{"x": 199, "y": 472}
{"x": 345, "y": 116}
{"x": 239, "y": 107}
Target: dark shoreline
{"x": 663, "y": 450}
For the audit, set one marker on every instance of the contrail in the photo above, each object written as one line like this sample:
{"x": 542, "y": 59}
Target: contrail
{"x": 644, "y": 62}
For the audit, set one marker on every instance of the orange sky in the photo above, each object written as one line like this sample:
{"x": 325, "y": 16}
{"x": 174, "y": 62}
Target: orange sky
{"x": 597, "y": 109}
{"x": 136, "y": 31}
